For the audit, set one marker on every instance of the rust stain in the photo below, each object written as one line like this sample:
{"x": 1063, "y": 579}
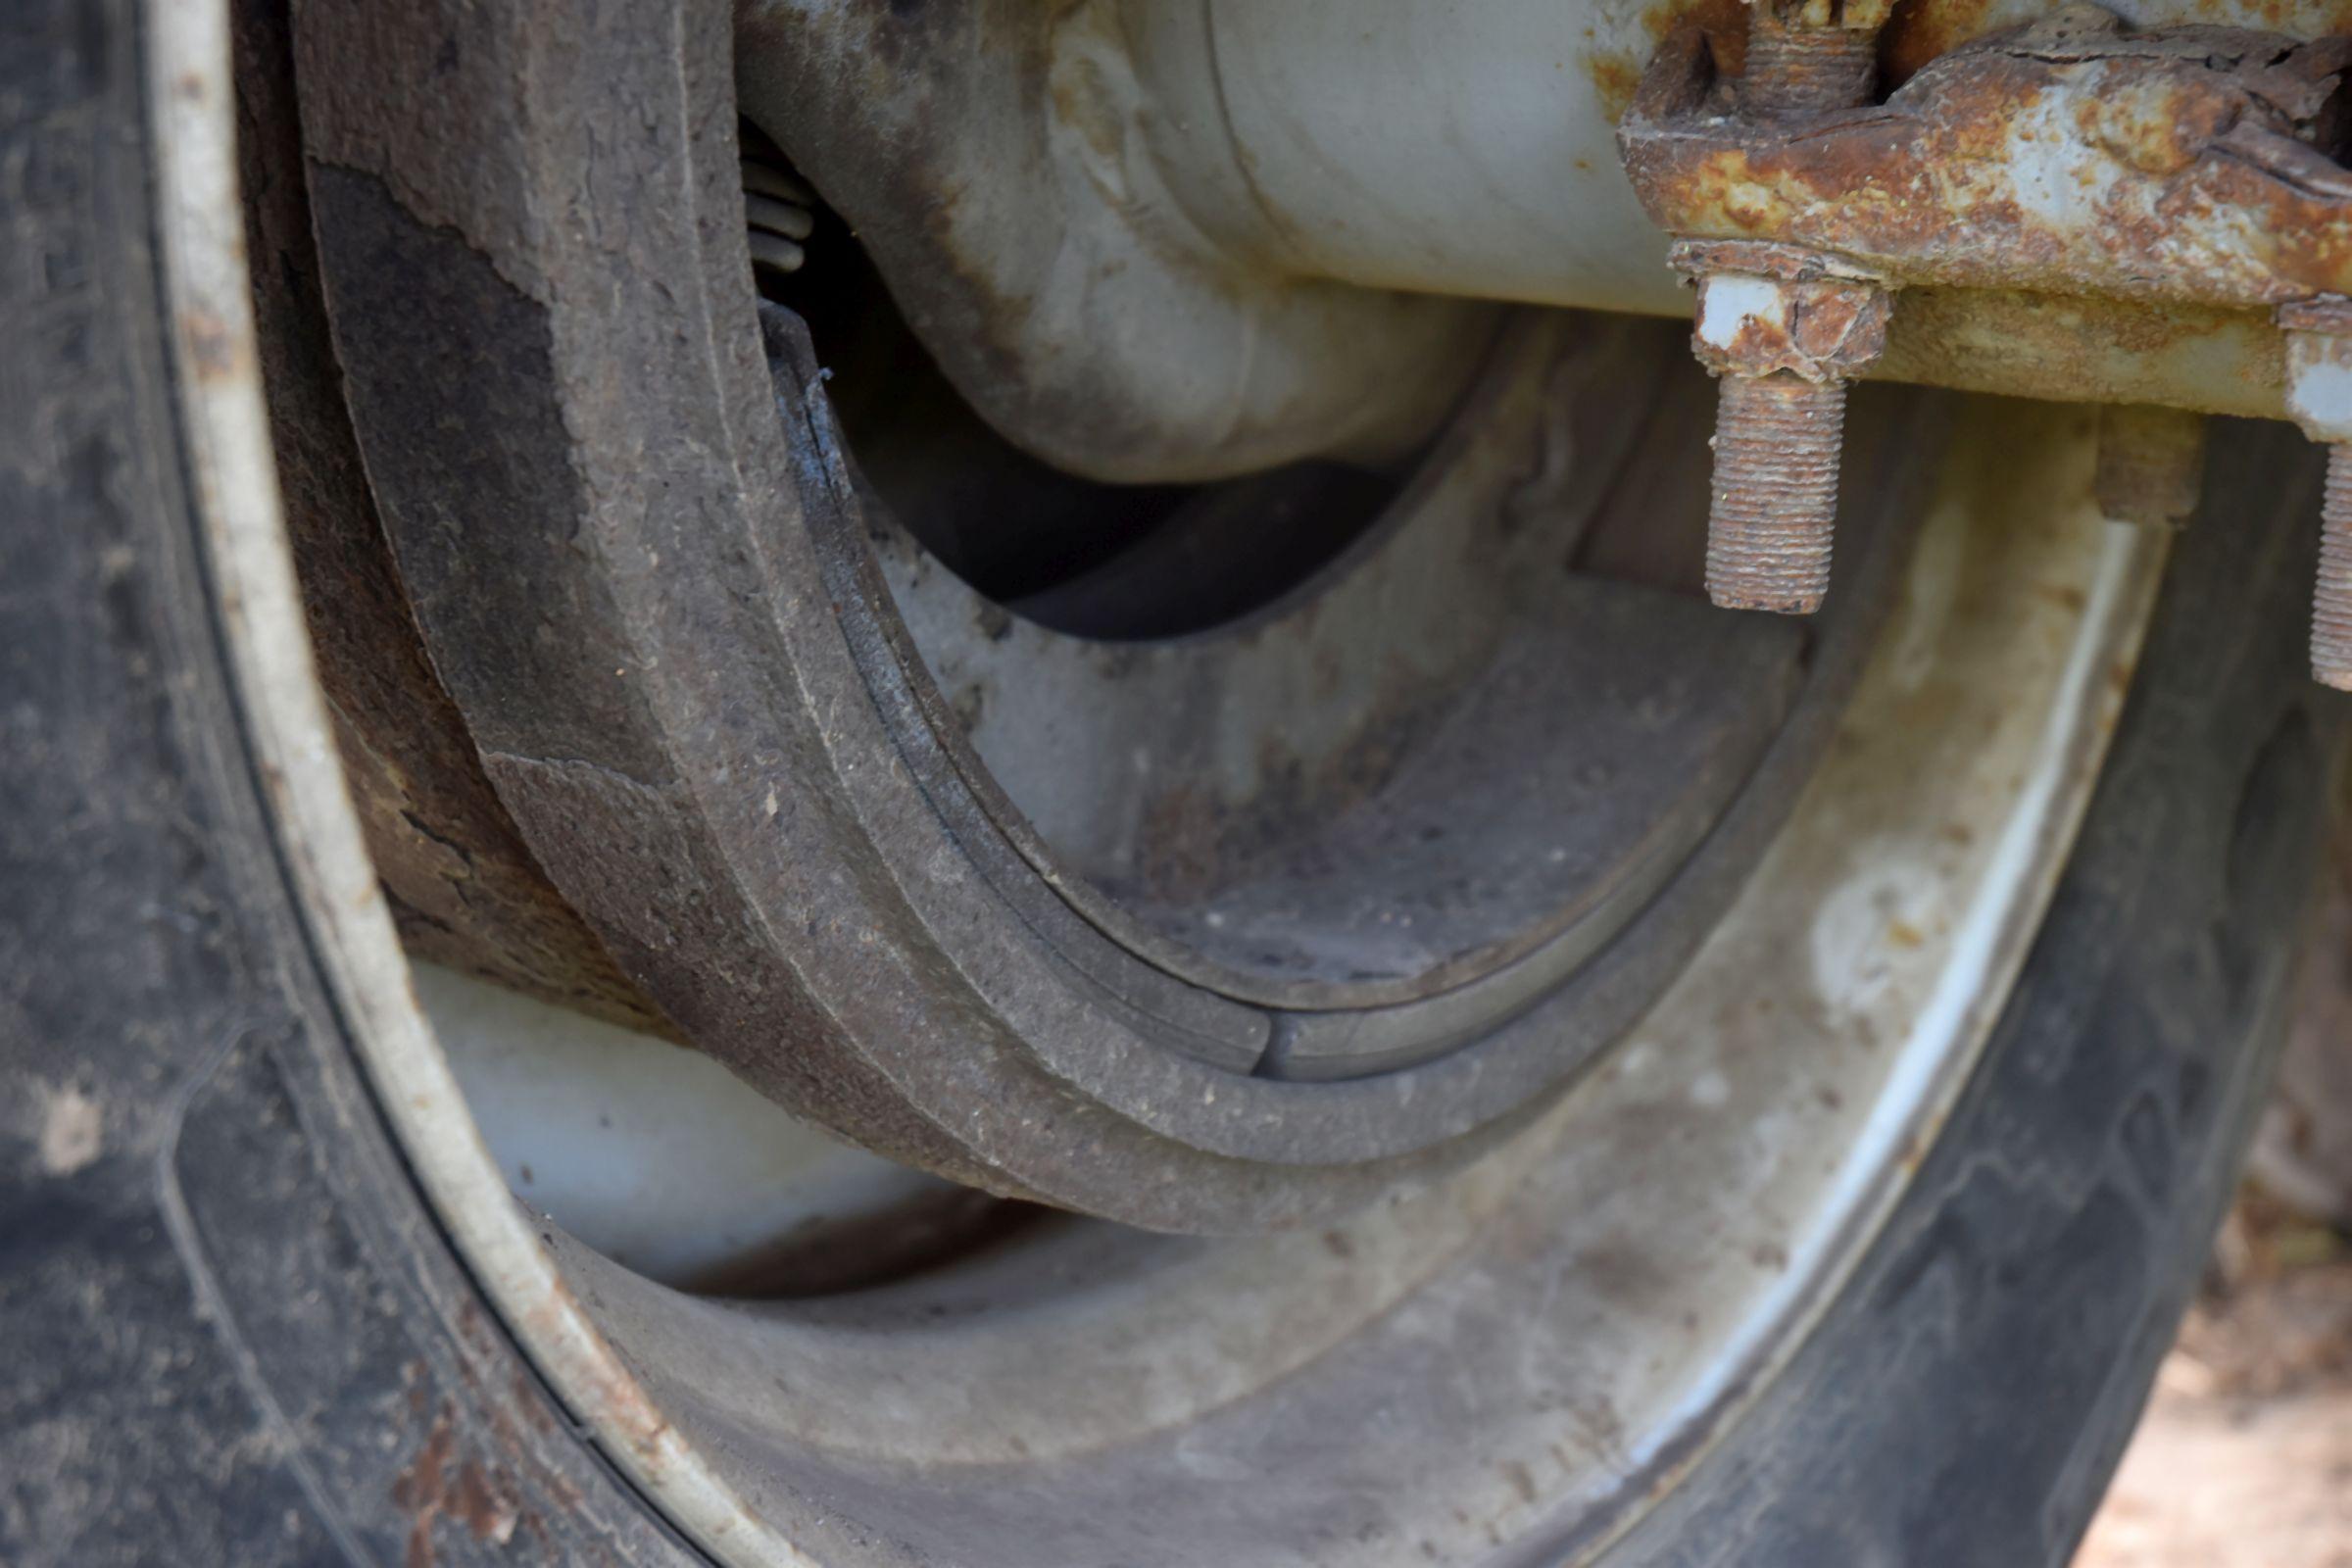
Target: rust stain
{"x": 442, "y": 1483}
{"x": 1615, "y": 77}
{"x": 211, "y": 345}
{"x": 1919, "y": 30}
{"x": 625, "y": 1409}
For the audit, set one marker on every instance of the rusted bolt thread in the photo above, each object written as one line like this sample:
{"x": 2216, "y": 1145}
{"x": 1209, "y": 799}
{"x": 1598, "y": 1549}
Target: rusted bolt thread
{"x": 2332, "y": 602}
{"x": 1775, "y": 503}
{"x": 1796, "y": 72}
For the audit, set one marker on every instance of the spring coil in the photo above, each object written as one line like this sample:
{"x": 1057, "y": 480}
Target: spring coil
{"x": 782, "y": 213}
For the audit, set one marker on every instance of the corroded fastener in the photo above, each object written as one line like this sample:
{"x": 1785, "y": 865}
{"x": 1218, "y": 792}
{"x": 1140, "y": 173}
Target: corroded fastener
{"x": 2319, "y": 395}
{"x": 1784, "y": 328}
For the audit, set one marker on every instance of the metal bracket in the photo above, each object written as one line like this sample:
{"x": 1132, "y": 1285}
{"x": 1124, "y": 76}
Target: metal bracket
{"x": 2183, "y": 168}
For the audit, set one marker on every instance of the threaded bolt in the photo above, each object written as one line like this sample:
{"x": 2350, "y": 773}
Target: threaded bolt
{"x": 1779, "y": 434}
{"x": 1795, "y": 71}
{"x": 2331, "y": 601}
{"x": 1772, "y": 517}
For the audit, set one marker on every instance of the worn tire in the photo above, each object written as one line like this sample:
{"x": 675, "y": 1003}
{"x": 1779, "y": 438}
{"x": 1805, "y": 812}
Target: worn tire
{"x": 232, "y": 1329}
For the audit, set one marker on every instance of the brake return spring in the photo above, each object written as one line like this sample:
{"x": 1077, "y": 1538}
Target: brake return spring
{"x": 781, "y": 212}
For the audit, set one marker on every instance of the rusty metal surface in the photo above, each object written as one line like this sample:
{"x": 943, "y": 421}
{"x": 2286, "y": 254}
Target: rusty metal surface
{"x": 2072, "y": 157}
{"x": 1918, "y": 31}
{"x": 1784, "y": 328}
{"x": 2069, "y": 156}
{"x": 1156, "y": 162}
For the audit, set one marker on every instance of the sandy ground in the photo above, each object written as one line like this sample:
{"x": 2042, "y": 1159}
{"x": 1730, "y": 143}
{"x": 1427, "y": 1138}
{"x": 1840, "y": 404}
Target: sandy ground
{"x": 2244, "y": 1459}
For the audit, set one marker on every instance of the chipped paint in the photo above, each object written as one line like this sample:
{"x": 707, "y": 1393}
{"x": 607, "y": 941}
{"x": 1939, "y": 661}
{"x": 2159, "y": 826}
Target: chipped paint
{"x": 2319, "y": 371}
{"x": 1767, "y": 307}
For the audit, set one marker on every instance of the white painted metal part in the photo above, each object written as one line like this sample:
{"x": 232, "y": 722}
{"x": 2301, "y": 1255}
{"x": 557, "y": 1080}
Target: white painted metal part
{"x": 1452, "y": 148}
{"x": 651, "y": 1153}
{"x": 1728, "y": 301}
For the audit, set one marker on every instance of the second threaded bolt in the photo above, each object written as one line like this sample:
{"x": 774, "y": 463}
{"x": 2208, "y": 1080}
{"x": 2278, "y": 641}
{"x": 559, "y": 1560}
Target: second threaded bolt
{"x": 2331, "y": 603}
{"x": 2319, "y": 396}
